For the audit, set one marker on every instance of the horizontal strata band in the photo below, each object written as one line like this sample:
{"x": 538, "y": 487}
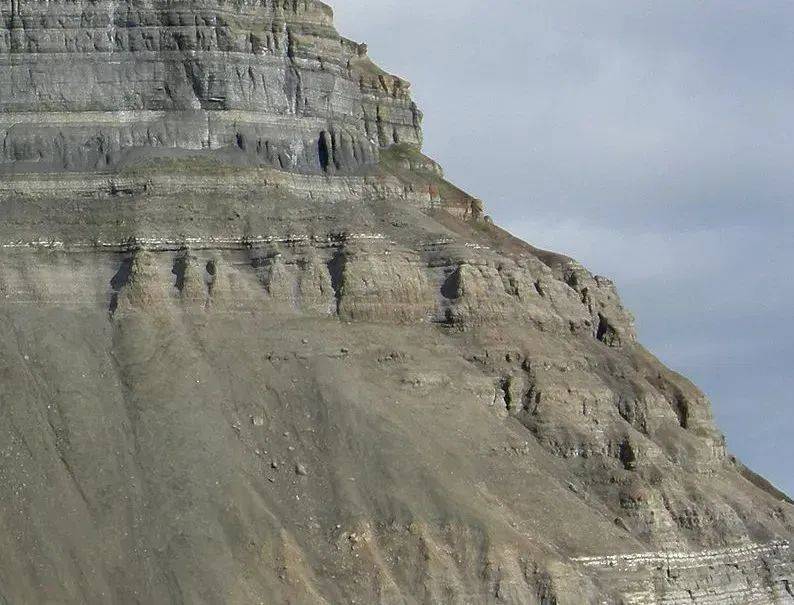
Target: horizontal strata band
{"x": 679, "y": 559}
{"x": 265, "y": 182}
{"x": 193, "y": 243}
{"x": 131, "y": 116}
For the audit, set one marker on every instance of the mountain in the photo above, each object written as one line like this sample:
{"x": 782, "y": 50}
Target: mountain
{"x": 256, "y": 349}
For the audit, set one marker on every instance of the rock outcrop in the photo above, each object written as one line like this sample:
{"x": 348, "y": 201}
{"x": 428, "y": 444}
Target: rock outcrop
{"x": 256, "y": 349}
{"x": 84, "y": 85}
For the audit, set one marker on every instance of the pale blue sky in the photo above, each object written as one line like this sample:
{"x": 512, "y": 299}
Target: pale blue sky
{"x": 654, "y": 142}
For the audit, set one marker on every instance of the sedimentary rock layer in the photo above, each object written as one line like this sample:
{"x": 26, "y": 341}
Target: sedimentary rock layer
{"x": 255, "y": 348}
{"x": 84, "y": 85}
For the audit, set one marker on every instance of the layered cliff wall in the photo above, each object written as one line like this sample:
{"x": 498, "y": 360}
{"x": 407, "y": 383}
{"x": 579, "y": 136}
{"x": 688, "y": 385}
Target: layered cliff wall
{"x": 256, "y": 349}
{"x": 82, "y": 85}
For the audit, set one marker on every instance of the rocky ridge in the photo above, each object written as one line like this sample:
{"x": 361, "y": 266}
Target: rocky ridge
{"x": 257, "y": 349}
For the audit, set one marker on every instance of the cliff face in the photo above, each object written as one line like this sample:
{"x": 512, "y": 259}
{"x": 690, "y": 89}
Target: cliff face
{"x": 86, "y": 84}
{"x": 255, "y": 348}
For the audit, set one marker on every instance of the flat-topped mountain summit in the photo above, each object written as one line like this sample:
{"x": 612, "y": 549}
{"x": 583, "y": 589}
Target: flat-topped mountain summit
{"x": 256, "y": 349}
{"x": 84, "y": 85}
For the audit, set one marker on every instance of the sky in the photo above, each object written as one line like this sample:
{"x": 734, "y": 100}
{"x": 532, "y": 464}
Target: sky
{"x": 652, "y": 141}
